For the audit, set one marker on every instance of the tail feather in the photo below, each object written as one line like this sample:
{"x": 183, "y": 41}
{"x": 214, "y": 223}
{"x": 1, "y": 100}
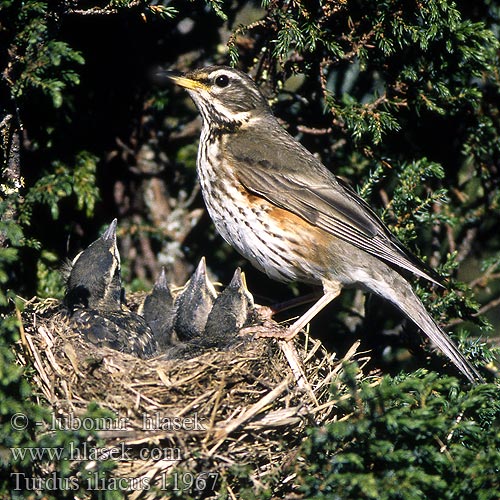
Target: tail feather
{"x": 403, "y": 297}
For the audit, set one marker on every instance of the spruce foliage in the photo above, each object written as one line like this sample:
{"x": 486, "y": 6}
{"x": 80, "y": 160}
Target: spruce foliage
{"x": 409, "y": 437}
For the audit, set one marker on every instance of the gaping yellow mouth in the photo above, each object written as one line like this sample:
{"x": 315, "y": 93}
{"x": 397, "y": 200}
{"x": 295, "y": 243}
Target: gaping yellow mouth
{"x": 187, "y": 83}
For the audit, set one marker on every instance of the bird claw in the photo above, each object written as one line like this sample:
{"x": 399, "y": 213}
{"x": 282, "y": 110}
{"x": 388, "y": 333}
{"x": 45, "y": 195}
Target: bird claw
{"x": 264, "y": 313}
{"x": 269, "y": 329}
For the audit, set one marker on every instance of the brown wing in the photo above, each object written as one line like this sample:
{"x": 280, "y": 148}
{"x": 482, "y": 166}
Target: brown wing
{"x": 294, "y": 180}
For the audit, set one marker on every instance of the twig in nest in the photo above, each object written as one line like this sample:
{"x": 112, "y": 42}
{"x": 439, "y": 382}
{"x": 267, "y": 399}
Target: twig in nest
{"x": 295, "y": 363}
{"x": 249, "y": 413}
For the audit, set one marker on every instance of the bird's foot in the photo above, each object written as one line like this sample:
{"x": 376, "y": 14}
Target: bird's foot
{"x": 269, "y": 329}
{"x": 264, "y": 313}
{"x": 279, "y": 333}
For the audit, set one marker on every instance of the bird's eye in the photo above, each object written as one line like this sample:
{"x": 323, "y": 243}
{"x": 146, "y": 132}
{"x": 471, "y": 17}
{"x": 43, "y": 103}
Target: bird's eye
{"x": 222, "y": 81}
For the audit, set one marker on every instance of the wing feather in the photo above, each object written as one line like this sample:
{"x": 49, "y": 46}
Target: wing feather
{"x": 316, "y": 195}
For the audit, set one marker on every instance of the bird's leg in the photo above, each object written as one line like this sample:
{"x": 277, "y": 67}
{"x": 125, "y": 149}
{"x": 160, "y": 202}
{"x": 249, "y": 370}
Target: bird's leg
{"x": 267, "y": 312}
{"x": 296, "y": 301}
{"x": 332, "y": 291}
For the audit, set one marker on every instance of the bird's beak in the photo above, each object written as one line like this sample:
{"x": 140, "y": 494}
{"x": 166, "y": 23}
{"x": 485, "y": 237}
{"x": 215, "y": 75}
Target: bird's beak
{"x": 183, "y": 81}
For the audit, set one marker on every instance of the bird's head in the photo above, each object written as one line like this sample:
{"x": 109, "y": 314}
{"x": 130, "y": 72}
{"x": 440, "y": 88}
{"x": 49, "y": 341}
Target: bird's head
{"x": 225, "y": 97}
{"x": 95, "y": 278}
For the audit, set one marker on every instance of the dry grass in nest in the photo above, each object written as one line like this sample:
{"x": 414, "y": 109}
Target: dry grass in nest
{"x": 247, "y": 406}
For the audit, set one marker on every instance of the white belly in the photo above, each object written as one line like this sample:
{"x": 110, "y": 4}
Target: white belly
{"x": 245, "y": 226}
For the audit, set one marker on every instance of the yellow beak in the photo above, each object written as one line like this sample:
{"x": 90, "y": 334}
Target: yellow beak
{"x": 187, "y": 83}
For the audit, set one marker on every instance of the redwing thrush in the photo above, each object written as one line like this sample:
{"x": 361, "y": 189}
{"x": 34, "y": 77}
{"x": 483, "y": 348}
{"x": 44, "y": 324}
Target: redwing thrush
{"x": 94, "y": 299}
{"x": 193, "y": 304}
{"x": 232, "y": 310}
{"x": 158, "y": 311}
{"x": 279, "y": 207}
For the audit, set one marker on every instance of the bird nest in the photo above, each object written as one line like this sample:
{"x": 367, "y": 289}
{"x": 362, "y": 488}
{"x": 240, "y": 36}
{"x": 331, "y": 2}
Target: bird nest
{"x": 186, "y": 425}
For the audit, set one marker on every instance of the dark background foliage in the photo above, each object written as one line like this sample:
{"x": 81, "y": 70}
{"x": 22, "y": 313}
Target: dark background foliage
{"x": 400, "y": 98}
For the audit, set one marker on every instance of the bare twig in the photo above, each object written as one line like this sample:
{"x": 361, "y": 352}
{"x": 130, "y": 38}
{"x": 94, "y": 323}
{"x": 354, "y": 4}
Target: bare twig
{"x": 314, "y": 131}
{"x": 465, "y": 246}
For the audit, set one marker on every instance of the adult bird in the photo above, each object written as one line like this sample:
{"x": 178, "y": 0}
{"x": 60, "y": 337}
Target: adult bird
{"x": 284, "y": 211}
